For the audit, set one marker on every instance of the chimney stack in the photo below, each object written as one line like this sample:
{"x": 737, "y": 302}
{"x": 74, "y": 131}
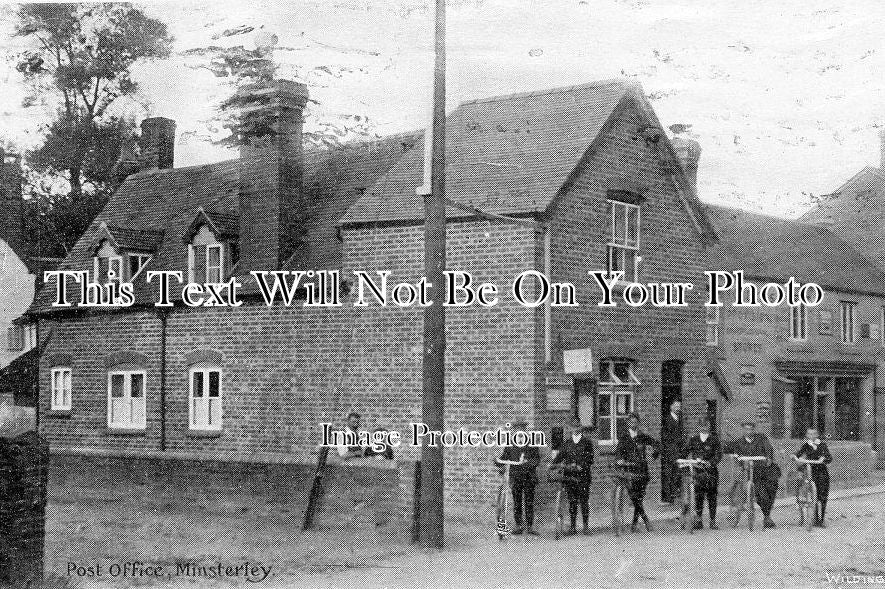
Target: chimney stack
{"x": 688, "y": 151}
{"x": 269, "y": 134}
{"x": 157, "y": 144}
{"x": 11, "y": 201}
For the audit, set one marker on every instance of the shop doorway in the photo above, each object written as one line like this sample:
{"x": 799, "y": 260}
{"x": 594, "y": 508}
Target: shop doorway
{"x": 671, "y": 385}
{"x": 846, "y": 424}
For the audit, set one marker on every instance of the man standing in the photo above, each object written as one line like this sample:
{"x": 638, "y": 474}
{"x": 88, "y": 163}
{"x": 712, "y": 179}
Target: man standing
{"x": 766, "y": 475}
{"x": 671, "y": 450}
{"x": 632, "y": 455}
{"x": 576, "y": 456}
{"x": 705, "y": 446}
{"x": 523, "y": 478}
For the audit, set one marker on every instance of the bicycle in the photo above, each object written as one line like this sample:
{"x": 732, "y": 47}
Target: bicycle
{"x": 743, "y": 493}
{"x": 501, "y": 527}
{"x": 557, "y": 474}
{"x": 806, "y": 494}
{"x": 621, "y": 477}
{"x": 689, "y": 466}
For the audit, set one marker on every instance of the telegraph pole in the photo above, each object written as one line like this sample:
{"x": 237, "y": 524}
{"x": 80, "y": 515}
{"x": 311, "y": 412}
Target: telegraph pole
{"x": 433, "y": 373}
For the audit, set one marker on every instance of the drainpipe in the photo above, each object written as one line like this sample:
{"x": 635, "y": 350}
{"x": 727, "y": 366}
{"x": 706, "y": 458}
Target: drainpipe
{"x": 164, "y": 315}
{"x": 37, "y": 391}
{"x": 548, "y": 344}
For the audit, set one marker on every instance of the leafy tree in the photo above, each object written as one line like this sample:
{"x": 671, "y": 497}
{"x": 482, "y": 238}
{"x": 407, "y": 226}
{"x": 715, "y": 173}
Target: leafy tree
{"x": 78, "y": 67}
{"x": 237, "y": 65}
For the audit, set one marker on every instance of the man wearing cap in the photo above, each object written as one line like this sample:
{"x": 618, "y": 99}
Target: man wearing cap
{"x": 576, "y": 456}
{"x": 765, "y": 475}
{"x": 523, "y": 479}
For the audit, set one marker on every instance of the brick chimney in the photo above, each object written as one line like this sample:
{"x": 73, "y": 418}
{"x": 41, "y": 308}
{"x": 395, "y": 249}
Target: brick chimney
{"x": 157, "y": 144}
{"x": 11, "y": 202}
{"x": 270, "y": 137}
{"x": 687, "y": 150}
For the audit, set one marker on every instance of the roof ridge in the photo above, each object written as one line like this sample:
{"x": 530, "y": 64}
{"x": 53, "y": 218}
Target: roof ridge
{"x": 557, "y": 90}
{"x": 758, "y": 214}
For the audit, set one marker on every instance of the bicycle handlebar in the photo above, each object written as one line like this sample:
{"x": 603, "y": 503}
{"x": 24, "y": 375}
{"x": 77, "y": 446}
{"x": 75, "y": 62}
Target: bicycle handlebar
{"x": 686, "y": 462}
{"x": 512, "y": 462}
{"x": 808, "y": 461}
{"x": 750, "y": 458}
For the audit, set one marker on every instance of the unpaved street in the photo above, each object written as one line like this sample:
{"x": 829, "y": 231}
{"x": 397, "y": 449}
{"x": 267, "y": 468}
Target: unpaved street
{"x": 788, "y": 557}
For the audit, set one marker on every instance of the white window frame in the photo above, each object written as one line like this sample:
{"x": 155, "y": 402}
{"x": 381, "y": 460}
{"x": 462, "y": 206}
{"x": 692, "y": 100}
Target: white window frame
{"x": 61, "y": 389}
{"x": 219, "y": 268}
{"x": 203, "y": 414}
{"x": 799, "y": 323}
{"x": 128, "y": 400}
{"x": 143, "y": 261}
{"x": 621, "y": 242}
{"x": 615, "y": 389}
{"x": 848, "y": 321}
{"x": 191, "y": 259}
{"x": 713, "y": 322}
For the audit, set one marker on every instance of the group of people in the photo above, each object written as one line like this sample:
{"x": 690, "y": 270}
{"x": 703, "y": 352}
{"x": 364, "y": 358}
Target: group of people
{"x": 574, "y": 458}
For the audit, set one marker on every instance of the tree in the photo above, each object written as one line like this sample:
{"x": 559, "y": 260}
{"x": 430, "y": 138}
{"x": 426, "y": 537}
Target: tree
{"x": 78, "y": 67}
{"x": 236, "y": 65}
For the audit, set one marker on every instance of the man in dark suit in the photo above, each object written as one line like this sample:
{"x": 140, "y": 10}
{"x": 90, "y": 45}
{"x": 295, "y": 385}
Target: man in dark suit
{"x": 632, "y": 455}
{"x": 523, "y": 478}
{"x": 671, "y": 450}
{"x": 705, "y": 446}
{"x": 766, "y": 475}
{"x": 576, "y": 457}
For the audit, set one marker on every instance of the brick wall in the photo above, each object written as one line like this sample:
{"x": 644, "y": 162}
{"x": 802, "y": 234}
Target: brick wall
{"x": 287, "y": 369}
{"x": 671, "y": 250}
{"x": 23, "y": 476}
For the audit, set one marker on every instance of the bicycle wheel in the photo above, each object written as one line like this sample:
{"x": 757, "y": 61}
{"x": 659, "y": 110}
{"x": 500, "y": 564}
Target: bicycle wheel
{"x": 736, "y": 504}
{"x": 689, "y": 506}
{"x": 751, "y": 506}
{"x": 558, "y": 533}
{"x": 616, "y": 509}
{"x": 813, "y": 509}
{"x": 501, "y": 524}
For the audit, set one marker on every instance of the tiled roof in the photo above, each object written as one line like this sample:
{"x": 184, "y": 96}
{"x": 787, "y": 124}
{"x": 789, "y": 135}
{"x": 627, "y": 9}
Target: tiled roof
{"x": 774, "y": 248}
{"x": 170, "y": 199}
{"x": 507, "y": 154}
{"x": 139, "y": 240}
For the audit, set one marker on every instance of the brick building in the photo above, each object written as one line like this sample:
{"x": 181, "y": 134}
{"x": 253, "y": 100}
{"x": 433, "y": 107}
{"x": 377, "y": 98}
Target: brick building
{"x": 560, "y": 181}
{"x": 790, "y": 368}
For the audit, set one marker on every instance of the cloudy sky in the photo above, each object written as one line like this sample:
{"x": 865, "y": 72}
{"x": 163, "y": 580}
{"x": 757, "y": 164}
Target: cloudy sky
{"x": 785, "y": 96}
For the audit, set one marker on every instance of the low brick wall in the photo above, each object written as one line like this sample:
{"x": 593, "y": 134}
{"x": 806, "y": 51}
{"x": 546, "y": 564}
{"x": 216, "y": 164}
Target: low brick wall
{"x": 363, "y": 492}
{"x": 23, "y": 477}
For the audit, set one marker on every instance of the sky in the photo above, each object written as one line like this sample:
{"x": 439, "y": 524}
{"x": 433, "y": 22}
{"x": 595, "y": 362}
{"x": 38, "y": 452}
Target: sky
{"x": 785, "y": 97}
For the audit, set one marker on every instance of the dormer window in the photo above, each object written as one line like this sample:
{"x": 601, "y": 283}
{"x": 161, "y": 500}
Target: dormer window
{"x": 212, "y": 246}
{"x": 122, "y": 254}
{"x": 206, "y": 257}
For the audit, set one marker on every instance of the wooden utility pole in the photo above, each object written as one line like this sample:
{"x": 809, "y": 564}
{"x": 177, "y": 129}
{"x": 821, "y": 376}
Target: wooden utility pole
{"x": 433, "y": 400}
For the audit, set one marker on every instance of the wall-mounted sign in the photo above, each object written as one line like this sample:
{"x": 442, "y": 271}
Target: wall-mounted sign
{"x": 578, "y": 361}
{"x": 825, "y": 322}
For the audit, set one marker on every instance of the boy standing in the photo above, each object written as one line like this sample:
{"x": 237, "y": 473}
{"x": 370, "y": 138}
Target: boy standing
{"x": 576, "y": 456}
{"x": 815, "y": 450}
{"x": 765, "y": 475}
{"x": 632, "y": 454}
{"x": 523, "y": 479}
{"x": 705, "y": 446}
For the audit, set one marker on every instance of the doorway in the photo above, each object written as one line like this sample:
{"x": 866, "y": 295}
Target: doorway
{"x": 671, "y": 385}
{"x": 846, "y": 424}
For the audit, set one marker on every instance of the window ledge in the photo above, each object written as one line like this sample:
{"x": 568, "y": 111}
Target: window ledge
{"x": 59, "y": 413}
{"x": 204, "y": 433}
{"x": 126, "y": 431}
